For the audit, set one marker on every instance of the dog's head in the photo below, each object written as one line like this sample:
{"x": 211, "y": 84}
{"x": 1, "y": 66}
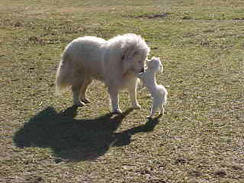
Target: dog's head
{"x": 155, "y": 64}
{"x": 134, "y": 53}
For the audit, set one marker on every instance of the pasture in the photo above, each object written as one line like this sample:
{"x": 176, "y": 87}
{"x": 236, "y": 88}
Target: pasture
{"x": 199, "y": 139}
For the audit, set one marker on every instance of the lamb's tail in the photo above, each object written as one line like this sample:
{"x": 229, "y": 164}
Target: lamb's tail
{"x": 62, "y": 75}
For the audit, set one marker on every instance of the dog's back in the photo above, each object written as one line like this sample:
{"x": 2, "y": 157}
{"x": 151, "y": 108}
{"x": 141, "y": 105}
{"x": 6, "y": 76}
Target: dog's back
{"x": 85, "y": 50}
{"x": 83, "y": 54}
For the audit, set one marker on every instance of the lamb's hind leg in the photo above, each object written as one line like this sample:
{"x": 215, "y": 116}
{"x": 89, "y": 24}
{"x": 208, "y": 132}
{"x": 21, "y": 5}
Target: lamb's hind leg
{"x": 155, "y": 105}
{"x": 163, "y": 102}
{"x": 153, "y": 110}
{"x": 162, "y": 110}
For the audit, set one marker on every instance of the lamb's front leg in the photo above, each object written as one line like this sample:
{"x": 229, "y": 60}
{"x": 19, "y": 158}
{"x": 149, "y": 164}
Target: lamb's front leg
{"x": 132, "y": 88}
{"x": 114, "y": 100}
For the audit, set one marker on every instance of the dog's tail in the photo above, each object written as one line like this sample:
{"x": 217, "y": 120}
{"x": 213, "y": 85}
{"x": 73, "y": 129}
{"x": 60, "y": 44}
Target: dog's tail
{"x": 63, "y": 74}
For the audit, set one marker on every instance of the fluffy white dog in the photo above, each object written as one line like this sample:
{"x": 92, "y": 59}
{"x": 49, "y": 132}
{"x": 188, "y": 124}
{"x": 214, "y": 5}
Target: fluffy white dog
{"x": 116, "y": 62}
{"x": 158, "y": 92}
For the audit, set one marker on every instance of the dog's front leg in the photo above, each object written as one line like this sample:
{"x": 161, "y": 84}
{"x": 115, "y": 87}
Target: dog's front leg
{"x": 114, "y": 100}
{"x": 133, "y": 94}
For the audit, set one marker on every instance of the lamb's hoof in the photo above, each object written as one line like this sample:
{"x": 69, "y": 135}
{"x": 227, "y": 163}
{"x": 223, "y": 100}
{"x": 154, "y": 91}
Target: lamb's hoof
{"x": 137, "y": 106}
{"x": 116, "y": 111}
{"x": 160, "y": 115}
{"x": 79, "y": 104}
{"x": 86, "y": 101}
{"x": 149, "y": 117}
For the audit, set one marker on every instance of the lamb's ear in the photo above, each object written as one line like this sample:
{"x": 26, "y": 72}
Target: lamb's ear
{"x": 149, "y": 65}
{"x": 147, "y": 62}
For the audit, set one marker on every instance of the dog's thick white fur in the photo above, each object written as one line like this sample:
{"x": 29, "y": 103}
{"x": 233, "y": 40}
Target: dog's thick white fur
{"x": 158, "y": 92}
{"x": 116, "y": 62}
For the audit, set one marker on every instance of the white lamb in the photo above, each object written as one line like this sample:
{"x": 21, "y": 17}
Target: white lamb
{"x": 158, "y": 92}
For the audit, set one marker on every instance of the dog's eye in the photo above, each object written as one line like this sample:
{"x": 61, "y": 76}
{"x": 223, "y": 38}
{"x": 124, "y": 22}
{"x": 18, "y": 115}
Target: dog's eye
{"x": 123, "y": 57}
{"x": 135, "y": 53}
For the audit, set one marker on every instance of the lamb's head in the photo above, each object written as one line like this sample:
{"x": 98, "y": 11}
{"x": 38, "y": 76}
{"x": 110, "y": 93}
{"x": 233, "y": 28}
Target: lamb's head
{"x": 155, "y": 64}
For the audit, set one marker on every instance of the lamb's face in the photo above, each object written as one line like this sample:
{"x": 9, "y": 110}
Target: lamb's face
{"x": 155, "y": 64}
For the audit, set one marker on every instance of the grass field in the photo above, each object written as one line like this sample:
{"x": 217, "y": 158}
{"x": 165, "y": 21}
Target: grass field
{"x": 199, "y": 139}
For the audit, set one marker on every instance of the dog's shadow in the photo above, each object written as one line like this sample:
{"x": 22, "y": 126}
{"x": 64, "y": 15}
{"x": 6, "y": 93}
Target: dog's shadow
{"x": 76, "y": 140}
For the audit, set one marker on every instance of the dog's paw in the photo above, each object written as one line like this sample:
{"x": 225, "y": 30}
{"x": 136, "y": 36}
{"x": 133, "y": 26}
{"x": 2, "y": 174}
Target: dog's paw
{"x": 116, "y": 111}
{"x": 86, "y": 101}
{"x": 79, "y": 104}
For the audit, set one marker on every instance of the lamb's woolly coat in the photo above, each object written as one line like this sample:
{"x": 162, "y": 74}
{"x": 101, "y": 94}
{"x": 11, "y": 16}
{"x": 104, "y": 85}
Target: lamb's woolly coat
{"x": 158, "y": 92}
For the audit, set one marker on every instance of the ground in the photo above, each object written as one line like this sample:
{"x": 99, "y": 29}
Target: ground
{"x": 199, "y": 139}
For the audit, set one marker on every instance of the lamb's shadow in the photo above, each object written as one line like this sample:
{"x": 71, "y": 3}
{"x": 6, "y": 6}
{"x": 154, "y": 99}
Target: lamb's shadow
{"x": 76, "y": 140}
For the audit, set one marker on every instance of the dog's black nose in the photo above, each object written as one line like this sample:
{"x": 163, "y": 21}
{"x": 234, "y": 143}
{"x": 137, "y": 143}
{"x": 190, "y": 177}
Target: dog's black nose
{"x": 142, "y": 70}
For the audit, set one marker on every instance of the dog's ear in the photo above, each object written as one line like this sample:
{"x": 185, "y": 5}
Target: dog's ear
{"x": 128, "y": 53}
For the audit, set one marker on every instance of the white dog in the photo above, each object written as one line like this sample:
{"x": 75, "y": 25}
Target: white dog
{"x": 116, "y": 62}
{"x": 158, "y": 92}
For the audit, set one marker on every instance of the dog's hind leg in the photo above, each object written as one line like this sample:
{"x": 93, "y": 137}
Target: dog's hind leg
{"x": 76, "y": 94}
{"x": 83, "y": 90}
